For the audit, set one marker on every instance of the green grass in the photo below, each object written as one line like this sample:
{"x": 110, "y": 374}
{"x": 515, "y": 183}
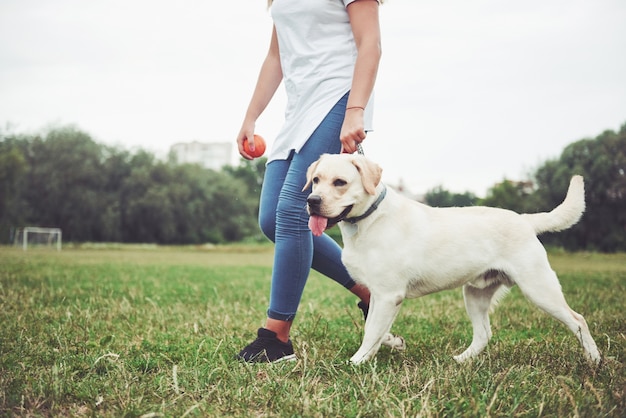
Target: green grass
{"x": 151, "y": 331}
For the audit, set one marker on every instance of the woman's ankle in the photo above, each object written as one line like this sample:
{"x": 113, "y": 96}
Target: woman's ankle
{"x": 281, "y": 328}
{"x": 362, "y": 292}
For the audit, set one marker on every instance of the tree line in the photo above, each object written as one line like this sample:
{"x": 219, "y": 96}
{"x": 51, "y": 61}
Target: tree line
{"x": 600, "y": 160}
{"x": 99, "y": 193}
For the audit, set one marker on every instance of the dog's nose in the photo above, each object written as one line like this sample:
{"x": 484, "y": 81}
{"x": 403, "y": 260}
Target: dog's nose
{"x": 314, "y": 201}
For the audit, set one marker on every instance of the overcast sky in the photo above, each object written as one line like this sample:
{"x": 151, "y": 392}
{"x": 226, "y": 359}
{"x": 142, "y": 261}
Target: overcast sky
{"x": 468, "y": 93}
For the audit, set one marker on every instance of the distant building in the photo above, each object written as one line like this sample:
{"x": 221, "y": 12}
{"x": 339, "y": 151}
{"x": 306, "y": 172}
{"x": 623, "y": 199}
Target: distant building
{"x": 209, "y": 155}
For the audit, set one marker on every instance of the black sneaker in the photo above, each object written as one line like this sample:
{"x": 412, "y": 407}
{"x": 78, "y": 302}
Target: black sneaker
{"x": 267, "y": 349}
{"x": 364, "y": 307}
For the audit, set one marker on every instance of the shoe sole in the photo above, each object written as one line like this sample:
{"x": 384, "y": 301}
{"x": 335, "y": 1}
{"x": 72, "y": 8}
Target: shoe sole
{"x": 290, "y": 357}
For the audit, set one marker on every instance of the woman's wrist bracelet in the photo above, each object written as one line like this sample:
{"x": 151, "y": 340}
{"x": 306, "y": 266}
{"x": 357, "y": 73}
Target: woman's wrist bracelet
{"x": 355, "y": 107}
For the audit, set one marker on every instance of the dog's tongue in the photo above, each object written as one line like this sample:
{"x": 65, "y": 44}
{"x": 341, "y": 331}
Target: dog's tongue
{"x": 317, "y": 224}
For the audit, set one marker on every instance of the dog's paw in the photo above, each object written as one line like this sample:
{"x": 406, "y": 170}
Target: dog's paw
{"x": 460, "y": 359}
{"x": 356, "y": 359}
{"x": 465, "y": 356}
{"x": 594, "y": 358}
{"x": 394, "y": 342}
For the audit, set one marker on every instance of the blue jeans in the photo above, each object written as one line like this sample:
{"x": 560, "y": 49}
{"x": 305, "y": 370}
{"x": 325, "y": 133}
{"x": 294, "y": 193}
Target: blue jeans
{"x": 284, "y": 220}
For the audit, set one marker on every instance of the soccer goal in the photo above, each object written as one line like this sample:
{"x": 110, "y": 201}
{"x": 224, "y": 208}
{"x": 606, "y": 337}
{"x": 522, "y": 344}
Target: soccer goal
{"x": 33, "y": 236}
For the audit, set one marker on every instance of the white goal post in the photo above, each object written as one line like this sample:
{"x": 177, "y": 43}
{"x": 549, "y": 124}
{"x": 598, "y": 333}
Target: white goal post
{"x": 37, "y": 236}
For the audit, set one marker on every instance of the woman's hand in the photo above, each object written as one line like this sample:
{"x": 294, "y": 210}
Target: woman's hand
{"x": 246, "y": 134}
{"x": 352, "y": 130}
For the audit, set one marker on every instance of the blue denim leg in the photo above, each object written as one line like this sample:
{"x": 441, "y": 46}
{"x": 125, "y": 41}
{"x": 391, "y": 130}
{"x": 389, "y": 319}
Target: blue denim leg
{"x": 283, "y": 219}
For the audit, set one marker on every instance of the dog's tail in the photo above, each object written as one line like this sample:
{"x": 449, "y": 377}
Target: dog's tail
{"x": 566, "y": 214}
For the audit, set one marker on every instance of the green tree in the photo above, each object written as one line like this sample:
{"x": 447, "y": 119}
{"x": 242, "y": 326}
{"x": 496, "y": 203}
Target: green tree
{"x": 251, "y": 173}
{"x": 13, "y": 169}
{"x": 602, "y": 162}
{"x": 175, "y": 204}
{"x": 116, "y": 168}
{"x": 513, "y": 195}
{"x": 439, "y": 197}
{"x": 135, "y": 209}
{"x": 98, "y": 193}
{"x": 65, "y": 186}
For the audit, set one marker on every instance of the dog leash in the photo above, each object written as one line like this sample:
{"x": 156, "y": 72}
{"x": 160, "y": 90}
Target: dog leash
{"x": 359, "y": 149}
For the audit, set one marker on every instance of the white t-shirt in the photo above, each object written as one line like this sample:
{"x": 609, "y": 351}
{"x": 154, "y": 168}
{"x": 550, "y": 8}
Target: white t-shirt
{"x": 317, "y": 55}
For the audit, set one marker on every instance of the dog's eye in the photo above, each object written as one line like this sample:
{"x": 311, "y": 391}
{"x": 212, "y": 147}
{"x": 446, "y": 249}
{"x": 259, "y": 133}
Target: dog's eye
{"x": 316, "y": 180}
{"x": 339, "y": 183}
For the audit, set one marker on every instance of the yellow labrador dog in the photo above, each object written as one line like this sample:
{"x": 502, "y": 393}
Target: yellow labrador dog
{"x": 400, "y": 249}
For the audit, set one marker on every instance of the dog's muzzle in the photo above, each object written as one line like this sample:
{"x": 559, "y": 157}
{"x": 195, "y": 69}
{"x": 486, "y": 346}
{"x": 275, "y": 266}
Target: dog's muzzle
{"x": 318, "y": 222}
{"x": 315, "y": 203}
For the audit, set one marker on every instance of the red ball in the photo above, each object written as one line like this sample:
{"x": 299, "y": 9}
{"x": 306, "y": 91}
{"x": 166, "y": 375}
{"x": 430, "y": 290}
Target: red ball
{"x": 259, "y": 147}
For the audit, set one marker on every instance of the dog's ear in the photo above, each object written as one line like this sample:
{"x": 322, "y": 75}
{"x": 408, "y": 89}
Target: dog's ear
{"x": 309, "y": 174}
{"x": 370, "y": 172}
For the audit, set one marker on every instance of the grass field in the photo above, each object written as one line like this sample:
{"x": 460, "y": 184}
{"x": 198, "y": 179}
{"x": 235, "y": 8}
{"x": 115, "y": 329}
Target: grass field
{"x": 151, "y": 331}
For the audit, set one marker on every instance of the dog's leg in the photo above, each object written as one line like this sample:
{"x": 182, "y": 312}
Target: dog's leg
{"x": 477, "y": 303}
{"x": 382, "y": 313}
{"x": 544, "y": 290}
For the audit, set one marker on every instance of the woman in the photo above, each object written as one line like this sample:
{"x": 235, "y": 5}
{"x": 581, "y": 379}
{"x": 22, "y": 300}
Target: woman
{"x": 327, "y": 54}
